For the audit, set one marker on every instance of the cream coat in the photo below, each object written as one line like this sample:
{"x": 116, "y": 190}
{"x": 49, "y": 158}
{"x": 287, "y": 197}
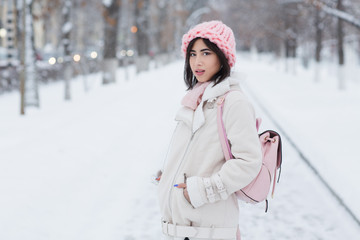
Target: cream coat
{"x": 195, "y": 151}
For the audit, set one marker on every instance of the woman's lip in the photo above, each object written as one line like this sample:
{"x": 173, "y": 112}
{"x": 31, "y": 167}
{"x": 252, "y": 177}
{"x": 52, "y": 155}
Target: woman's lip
{"x": 199, "y": 72}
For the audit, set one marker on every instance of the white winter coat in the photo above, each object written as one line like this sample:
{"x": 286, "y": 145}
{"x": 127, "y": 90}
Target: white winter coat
{"x": 196, "y": 151}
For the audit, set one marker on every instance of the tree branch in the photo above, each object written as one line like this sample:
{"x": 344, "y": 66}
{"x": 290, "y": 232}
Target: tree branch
{"x": 336, "y": 13}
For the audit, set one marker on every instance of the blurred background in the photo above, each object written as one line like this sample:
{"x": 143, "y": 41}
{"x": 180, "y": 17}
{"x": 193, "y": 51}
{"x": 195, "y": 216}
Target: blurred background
{"x": 89, "y": 90}
{"x": 43, "y": 41}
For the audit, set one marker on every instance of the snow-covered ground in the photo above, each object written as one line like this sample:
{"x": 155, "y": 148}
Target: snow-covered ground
{"x": 82, "y": 169}
{"x": 319, "y": 118}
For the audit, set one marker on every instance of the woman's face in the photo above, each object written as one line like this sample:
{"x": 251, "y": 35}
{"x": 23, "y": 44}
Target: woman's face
{"x": 203, "y": 61}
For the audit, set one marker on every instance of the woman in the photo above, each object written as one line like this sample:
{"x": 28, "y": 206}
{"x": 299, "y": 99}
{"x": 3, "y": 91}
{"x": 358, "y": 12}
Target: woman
{"x": 196, "y": 188}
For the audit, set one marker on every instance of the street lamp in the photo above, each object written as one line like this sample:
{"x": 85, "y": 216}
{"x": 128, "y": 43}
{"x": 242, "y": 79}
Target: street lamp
{"x": 134, "y": 29}
{"x": 130, "y": 53}
{"x": 93, "y": 54}
{"x": 77, "y": 57}
{"x": 52, "y": 61}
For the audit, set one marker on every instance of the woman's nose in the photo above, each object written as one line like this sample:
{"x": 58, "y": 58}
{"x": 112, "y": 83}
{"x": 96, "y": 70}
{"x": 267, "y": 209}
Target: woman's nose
{"x": 198, "y": 61}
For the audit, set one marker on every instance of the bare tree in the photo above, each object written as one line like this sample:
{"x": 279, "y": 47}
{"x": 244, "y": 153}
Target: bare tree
{"x": 142, "y": 17}
{"x": 29, "y": 81}
{"x": 66, "y": 42}
{"x": 338, "y": 11}
{"x": 319, "y": 25}
{"x": 111, "y": 19}
{"x": 340, "y": 44}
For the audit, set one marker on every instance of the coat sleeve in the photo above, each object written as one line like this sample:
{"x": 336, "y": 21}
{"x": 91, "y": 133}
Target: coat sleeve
{"x": 240, "y": 124}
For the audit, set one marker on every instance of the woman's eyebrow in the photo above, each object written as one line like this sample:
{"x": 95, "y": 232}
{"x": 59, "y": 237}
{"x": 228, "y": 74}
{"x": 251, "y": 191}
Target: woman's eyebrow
{"x": 202, "y": 50}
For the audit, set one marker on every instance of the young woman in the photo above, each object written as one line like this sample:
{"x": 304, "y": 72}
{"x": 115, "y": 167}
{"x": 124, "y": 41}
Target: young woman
{"x": 197, "y": 185}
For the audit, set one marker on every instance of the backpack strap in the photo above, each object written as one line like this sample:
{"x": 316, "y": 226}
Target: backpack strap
{"x": 258, "y": 123}
{"x": 221, "y": 128}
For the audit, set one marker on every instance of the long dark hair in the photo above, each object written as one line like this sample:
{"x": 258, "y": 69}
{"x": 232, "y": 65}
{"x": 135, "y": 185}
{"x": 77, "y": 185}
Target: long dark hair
{"x": 224, "y": 72}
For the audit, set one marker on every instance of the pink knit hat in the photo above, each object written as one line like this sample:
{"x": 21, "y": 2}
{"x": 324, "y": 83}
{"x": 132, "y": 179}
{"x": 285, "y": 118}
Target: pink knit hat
{"x": 216, "y": 32}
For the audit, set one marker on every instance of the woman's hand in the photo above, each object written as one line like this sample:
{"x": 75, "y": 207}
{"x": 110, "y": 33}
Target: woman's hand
{"x": 186, "y": 194}
{"x": 158, "y": 176}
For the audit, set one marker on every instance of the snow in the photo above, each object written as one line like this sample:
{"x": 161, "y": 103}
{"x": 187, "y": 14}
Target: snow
{"x": 343, "y": 15}
{"x": 321, "y": 120}
{"x": 67, "y": 27}
{"x": 82, "y": 169}
{"x": 194, "y": 17}
{"x": 335, "y": 12}
{"x": 107, "y": 3}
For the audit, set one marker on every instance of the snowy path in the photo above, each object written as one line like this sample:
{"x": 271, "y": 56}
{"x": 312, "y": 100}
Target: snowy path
{"x": 301, "y": 209}
{"x": 82, "y": 170}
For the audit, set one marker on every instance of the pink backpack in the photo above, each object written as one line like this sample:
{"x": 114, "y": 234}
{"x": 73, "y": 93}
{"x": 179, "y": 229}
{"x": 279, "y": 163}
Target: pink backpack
{"x": 257, "y": 191}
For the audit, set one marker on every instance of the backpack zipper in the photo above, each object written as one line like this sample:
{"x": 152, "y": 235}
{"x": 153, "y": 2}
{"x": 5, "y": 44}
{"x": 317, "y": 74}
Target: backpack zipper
{"x": 177, "y": 171}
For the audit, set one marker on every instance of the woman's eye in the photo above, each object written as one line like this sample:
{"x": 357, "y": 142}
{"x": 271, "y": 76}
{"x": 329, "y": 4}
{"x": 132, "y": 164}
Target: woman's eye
{"x": 206, "y": 53}
{"x": 192, "y": 54}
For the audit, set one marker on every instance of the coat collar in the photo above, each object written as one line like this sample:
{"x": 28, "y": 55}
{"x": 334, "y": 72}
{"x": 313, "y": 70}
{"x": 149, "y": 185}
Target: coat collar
{"x": 195, "y": 119}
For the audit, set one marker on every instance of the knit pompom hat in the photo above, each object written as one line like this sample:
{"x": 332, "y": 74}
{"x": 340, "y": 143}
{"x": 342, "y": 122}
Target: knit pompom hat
{"x": 217, "y": 33}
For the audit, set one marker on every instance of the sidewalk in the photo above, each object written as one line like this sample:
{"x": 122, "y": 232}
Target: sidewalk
{"x": 81, "y": 170}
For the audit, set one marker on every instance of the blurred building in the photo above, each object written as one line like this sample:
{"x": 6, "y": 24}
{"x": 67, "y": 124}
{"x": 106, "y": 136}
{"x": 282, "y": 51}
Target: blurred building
{"x": 8, "y": 32}
{"x": 2, "y": 21}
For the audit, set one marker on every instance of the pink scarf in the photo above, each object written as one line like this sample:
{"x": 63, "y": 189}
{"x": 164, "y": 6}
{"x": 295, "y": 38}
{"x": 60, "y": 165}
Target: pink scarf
{"x": 193, "y": 98}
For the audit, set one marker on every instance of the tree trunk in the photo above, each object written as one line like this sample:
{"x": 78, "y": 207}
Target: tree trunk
{"x": 340, "y": 37}
{"x": 66, "y": 33}
{"x": 29, "y": 81}
{"x": 291, "y": 35}
{"x": 319, "y": 30}
{"x": 142, "y": 39}
{"x": 111, "y": 21}
{"x": 318, "y": 40}
{"x": 22, "y": 62}
{"x": 31, "y": 74}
